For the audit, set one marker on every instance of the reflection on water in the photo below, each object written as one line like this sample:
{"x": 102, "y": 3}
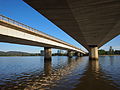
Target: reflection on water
{"x": 95, "y": 79}
{"x": 95, "y": 66}
{"x": 35, "y": 73}
{"x": 47, "y": 67}
{"x": 52, "y": 77}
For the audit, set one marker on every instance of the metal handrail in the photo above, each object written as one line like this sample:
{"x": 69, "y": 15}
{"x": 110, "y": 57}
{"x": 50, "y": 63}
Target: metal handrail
{"x": 4, "y": 18}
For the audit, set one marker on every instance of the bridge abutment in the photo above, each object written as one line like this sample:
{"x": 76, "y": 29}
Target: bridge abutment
{"x": 93, "y": 53}
{"x": 47, "y": 53}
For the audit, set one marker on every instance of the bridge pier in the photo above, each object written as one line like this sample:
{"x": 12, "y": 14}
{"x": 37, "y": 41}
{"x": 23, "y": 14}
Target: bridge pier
{"x": 47, "y": 53}
{"x": 81, "y": 54}
{"x": 93, "y": 53}
{"x": 78, "y": 54}
{"x": 69, "y": 53}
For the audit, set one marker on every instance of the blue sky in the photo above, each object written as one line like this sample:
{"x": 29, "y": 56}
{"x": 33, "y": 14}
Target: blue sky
{"x": 21, "y": 12}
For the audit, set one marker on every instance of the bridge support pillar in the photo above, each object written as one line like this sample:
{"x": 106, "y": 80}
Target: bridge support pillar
{"x": 47, "y": 53}
{"x": 69, "y": 53}
{"x": 93, "y": 53}
{"x": 79, "y": 54}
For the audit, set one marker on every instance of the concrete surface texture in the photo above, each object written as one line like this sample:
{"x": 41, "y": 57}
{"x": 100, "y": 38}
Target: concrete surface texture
{"x": 90, "y": 22}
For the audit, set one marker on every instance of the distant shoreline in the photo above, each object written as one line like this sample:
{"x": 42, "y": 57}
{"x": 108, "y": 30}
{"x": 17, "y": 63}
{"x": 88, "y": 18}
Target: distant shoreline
{"x": 109, "y": 55}
{"x": 14, "y": 56}
{"x": 52, "y": 55}
{"x": 28, "y": 56}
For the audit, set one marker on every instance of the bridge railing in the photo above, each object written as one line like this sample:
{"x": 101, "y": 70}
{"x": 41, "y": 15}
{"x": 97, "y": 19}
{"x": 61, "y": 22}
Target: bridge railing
{"x": 4, "y": 18}
{"x": 17, "y": 23}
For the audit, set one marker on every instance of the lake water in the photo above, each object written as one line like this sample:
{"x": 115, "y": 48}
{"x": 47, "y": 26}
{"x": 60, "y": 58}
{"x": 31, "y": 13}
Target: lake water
{"x": 62, "y": 73}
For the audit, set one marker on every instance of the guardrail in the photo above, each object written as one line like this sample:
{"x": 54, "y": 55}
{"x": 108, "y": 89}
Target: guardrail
{"x": 4, "y": 18}
{"x": 19, "y": 24}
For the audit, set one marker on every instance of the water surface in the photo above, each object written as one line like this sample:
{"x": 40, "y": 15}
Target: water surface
{"x": 62, "y": 73}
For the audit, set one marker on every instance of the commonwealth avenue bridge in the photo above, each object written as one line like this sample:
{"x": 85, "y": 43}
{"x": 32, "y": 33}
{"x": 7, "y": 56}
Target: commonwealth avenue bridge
{"x": 92, "y": 23}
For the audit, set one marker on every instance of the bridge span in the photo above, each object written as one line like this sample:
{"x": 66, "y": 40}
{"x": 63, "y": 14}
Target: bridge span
{"x": 12, "y": 31}
{"x": 90, "y": 22}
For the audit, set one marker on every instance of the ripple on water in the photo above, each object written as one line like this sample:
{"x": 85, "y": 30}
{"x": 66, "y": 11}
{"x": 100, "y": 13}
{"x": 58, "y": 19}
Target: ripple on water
{"x": 61, "y": 73}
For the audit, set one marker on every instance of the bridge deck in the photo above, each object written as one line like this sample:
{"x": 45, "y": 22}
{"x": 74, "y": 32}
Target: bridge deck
{"x": 15, "y": 32}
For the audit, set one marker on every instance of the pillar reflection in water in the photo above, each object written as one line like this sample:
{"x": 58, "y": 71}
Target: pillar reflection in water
{"x": 47, "y": 66}
{"x": 94, "y": 74}
{"x": 111, "y": 60}
{"x": 95, "y": 65}
{"x": 69, "y": 60}
{"x": 53, "y": 74}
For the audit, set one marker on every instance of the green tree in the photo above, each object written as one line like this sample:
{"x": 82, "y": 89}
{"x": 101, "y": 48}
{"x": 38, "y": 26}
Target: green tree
{"x": 102, "y": 52}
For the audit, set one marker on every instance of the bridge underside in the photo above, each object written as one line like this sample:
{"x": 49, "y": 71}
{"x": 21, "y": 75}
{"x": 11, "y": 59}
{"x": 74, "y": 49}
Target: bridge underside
{"x": 90, "y": 22}
{"x": 8, "y": 39}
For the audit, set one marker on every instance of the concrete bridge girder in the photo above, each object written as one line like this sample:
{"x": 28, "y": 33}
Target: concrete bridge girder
{"x": 90, "y": 22}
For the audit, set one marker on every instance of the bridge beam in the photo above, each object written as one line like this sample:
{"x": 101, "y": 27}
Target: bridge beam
{"x": 47, "y": 53}
{"x": 93, "y": 53}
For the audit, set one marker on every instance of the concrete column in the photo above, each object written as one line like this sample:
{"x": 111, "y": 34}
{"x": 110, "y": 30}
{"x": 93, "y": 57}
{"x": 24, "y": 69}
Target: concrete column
{"x": 47, "y": 53}
{"x": 79, "y": 54}
{"x": 93, "y": 53}
{"x": 69, "y": 53}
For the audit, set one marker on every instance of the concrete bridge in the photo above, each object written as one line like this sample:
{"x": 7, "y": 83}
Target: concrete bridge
{"x": 90, "y": 22}
{"x": 12, "y": 31}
